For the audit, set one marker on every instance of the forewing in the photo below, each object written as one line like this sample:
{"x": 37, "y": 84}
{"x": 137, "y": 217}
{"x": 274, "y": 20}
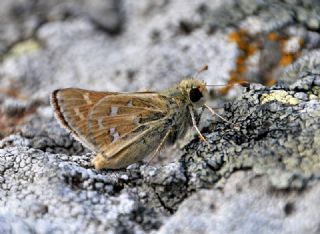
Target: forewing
{"x": 116, "y": 121}
{"x": 72, "y": 107}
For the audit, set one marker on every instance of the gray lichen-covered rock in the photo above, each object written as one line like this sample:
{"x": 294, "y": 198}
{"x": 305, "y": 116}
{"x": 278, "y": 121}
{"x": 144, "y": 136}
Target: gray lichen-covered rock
{"x": 279, "y": 119}
{"x": 237, "y": 208}
{"x": 49, "y": 192}
{"x": 260, "y": 173}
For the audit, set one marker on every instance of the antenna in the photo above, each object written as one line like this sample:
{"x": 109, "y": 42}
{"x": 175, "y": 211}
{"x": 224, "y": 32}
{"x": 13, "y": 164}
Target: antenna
{"x": 242, "y": 83}
{"x": 204, "y": 68}
{"x": 245, "y": 84}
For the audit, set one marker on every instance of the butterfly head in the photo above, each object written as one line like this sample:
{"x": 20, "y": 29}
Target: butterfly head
{"x": 195, "y": 91}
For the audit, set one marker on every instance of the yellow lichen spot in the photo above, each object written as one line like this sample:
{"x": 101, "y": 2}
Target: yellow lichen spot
{"x": 280, "y": 96}
{"x": 316, "y": 91}
{"x": 24, "y": 47}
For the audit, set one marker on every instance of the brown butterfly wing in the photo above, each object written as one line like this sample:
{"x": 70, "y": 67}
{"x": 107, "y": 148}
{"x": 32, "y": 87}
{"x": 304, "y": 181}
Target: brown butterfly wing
{"x": 106, "y": 122}
{"x": 119, "y": 119}
{"x": 72, "y": 107}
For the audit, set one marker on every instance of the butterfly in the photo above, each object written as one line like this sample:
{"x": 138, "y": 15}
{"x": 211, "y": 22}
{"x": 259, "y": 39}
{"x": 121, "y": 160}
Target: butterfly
{"x": 124, "y": 128}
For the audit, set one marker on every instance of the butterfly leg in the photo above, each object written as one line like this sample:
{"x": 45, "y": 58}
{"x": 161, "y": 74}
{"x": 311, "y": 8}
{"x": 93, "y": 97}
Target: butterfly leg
{"x": 215, "y": 113}
{"x": 160, "y": 146}
{"x": 195, "y": 126}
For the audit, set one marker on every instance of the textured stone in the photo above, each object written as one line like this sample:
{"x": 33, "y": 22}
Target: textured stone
{"x": 281, "y": 125}
{"x": 260, "y": 173}
{"x": 211, "y": 211}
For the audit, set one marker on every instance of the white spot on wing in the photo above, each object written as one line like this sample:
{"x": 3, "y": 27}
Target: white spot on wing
{"x": 78, "y": 113}
{"x": 136, "y": 120}
{"x": 100, "y": 124}
{"x": 114, "y": 111}
{"x": 114, "y": 134}
{"x": 130, "y": 103}
{"x": 87, "y": 98}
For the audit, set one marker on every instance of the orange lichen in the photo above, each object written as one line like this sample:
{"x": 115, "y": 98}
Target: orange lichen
{"x": 9, "y": 124}
{"x": 12, "y": 91}
{"x": 247, "y": 49}
{"x": 301, "y": 42}
{"x": 286, "y": 59}
{"x": 248, "y": 46}
{"x": 273, "y": 36}
{"x": 235, "y": 37}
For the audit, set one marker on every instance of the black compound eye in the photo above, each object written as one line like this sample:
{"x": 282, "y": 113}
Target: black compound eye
{"x": 195, "y": 95}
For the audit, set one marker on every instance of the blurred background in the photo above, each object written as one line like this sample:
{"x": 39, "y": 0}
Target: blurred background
{"x": 121, "y": 45}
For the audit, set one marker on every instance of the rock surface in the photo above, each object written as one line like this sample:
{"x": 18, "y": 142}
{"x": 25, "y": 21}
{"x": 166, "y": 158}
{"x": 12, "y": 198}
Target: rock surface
{"x": 261, "y": 174}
